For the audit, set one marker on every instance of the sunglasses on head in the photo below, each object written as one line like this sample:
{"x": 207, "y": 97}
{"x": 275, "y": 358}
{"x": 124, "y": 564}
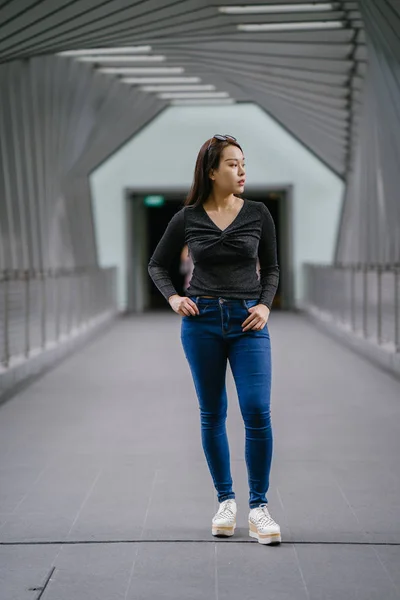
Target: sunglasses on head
{"x": 222, "y": 138}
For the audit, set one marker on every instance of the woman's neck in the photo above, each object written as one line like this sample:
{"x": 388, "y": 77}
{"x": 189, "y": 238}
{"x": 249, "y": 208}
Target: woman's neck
{"x": 220, "y": 203}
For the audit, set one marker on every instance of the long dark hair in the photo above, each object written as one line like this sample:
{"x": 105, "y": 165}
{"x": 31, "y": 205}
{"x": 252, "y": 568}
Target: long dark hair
{"x": 206, "y": 160}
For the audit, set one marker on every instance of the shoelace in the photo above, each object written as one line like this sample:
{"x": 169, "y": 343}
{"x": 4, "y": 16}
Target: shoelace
{"x": 227, "y": 511}
{"x": 263, "y": 516}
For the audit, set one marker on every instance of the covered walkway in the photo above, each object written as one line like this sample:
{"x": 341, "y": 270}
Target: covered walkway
{"x": 105, "y": 494}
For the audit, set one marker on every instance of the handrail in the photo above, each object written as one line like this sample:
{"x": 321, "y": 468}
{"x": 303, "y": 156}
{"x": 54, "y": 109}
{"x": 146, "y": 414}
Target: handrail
{"x": 39, "y": 308}
{"x": 362, "y": 298}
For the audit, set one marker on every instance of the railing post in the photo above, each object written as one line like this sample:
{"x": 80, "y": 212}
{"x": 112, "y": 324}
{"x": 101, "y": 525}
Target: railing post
{"x": 56, "y": 276}
{"x": 365, "y": 301}
{"x": 84, "y": 297}
{"x": 316, "y": 291}
{"x": 312, "y": 297}
{"x": 81, "y": 282}
{"x": 42, "y": 279}
{"x": 90, "y": 295}
{"x": 345, "y": 298}
{"x": 353, "y": 297}
{"x": 6, "y": 357}
{"x": 379, "y": 304}
{"x": 26, "y": 279}
{"x": 320, "y": 275}
{"x": 396, "y": 310}
{"x": 310, "y": 294}
{"x": 68, "y": 303}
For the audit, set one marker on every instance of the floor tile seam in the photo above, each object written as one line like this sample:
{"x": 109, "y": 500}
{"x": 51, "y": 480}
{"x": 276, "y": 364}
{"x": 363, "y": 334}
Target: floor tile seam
{"x": 303, "y": 579}
{"x": 28, "y": 491}
{"x": 136, "y": 554}
{"x": 349, "y": 505}
{"x": 86, "y": 498}
{"x": 386, "y": 570}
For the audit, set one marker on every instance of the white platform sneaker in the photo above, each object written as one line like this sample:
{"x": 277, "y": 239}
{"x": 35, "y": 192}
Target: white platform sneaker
{"x": 224, "y": 521}
{"x": 263, "y": 527}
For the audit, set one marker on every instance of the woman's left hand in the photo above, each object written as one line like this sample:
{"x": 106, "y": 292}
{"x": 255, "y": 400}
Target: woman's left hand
{"x": 257, "y": 318}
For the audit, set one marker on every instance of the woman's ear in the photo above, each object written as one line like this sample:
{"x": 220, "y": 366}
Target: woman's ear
{"x": 211, "y": 174}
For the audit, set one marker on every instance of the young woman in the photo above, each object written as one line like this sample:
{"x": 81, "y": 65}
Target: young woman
{"x": 224, "y": 317}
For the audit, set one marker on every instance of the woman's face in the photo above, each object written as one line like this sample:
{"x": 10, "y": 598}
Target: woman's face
{"x": 230, "y": 176}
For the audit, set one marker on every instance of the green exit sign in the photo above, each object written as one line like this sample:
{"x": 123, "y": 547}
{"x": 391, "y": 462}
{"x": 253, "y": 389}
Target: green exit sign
{"x": 154, "y": 200}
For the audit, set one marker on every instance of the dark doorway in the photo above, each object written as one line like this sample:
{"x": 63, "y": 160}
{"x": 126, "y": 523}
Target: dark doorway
{"x": 273, "y": 201}
{"x": 157, "y": 221}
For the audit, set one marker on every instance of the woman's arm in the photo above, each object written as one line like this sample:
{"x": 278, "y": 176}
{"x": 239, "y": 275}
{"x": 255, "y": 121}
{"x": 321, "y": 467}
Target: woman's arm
{"x": 168, "y": 247}
{"x": 267, "y": 254}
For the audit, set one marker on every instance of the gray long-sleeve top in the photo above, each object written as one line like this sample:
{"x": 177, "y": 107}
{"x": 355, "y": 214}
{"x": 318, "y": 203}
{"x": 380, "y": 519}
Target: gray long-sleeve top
{"x": 224, "y": 260}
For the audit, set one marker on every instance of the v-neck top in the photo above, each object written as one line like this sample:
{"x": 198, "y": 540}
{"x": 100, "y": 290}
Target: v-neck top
{"x": 225, "y": 260}
{"x": 212, "y": 221}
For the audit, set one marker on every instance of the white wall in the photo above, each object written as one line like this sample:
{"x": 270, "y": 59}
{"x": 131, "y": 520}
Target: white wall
{"x": 163, "y": 156}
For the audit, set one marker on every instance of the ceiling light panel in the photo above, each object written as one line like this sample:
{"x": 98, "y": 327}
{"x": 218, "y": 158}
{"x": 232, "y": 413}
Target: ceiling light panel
{"x": 160, "y": 80}
{"x": 252, "y": 27}
{"x": 200, "y": 102}
{"x": 276, "y": 8}
{"x": 107, "y": 51}
{"x": 144, "y": 70}
{"x": 177, "y": 88}
{"x": 187, "y": 95}
{"x": 121, "y": 59}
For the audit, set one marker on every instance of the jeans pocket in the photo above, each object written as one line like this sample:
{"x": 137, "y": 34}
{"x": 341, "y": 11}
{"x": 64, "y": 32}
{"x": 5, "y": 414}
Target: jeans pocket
{"x": 199, "y": 308}
{"x": 250, "y": 303}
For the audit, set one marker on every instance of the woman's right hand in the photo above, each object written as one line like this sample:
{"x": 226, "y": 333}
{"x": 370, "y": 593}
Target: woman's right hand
{"x": 183, "y": 305}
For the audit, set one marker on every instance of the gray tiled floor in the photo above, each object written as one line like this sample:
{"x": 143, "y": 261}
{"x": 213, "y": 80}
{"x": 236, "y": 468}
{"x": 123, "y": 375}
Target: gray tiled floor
{"x": 101, "y": 460}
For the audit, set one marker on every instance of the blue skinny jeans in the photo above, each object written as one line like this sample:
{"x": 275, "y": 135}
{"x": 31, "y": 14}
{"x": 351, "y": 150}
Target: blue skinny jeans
{"x": 209, "y": 340}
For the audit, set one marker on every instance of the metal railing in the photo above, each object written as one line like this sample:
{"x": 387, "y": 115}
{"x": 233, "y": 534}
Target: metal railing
{"x": 40, "y": 308}
{"x": 364, "y": 299}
